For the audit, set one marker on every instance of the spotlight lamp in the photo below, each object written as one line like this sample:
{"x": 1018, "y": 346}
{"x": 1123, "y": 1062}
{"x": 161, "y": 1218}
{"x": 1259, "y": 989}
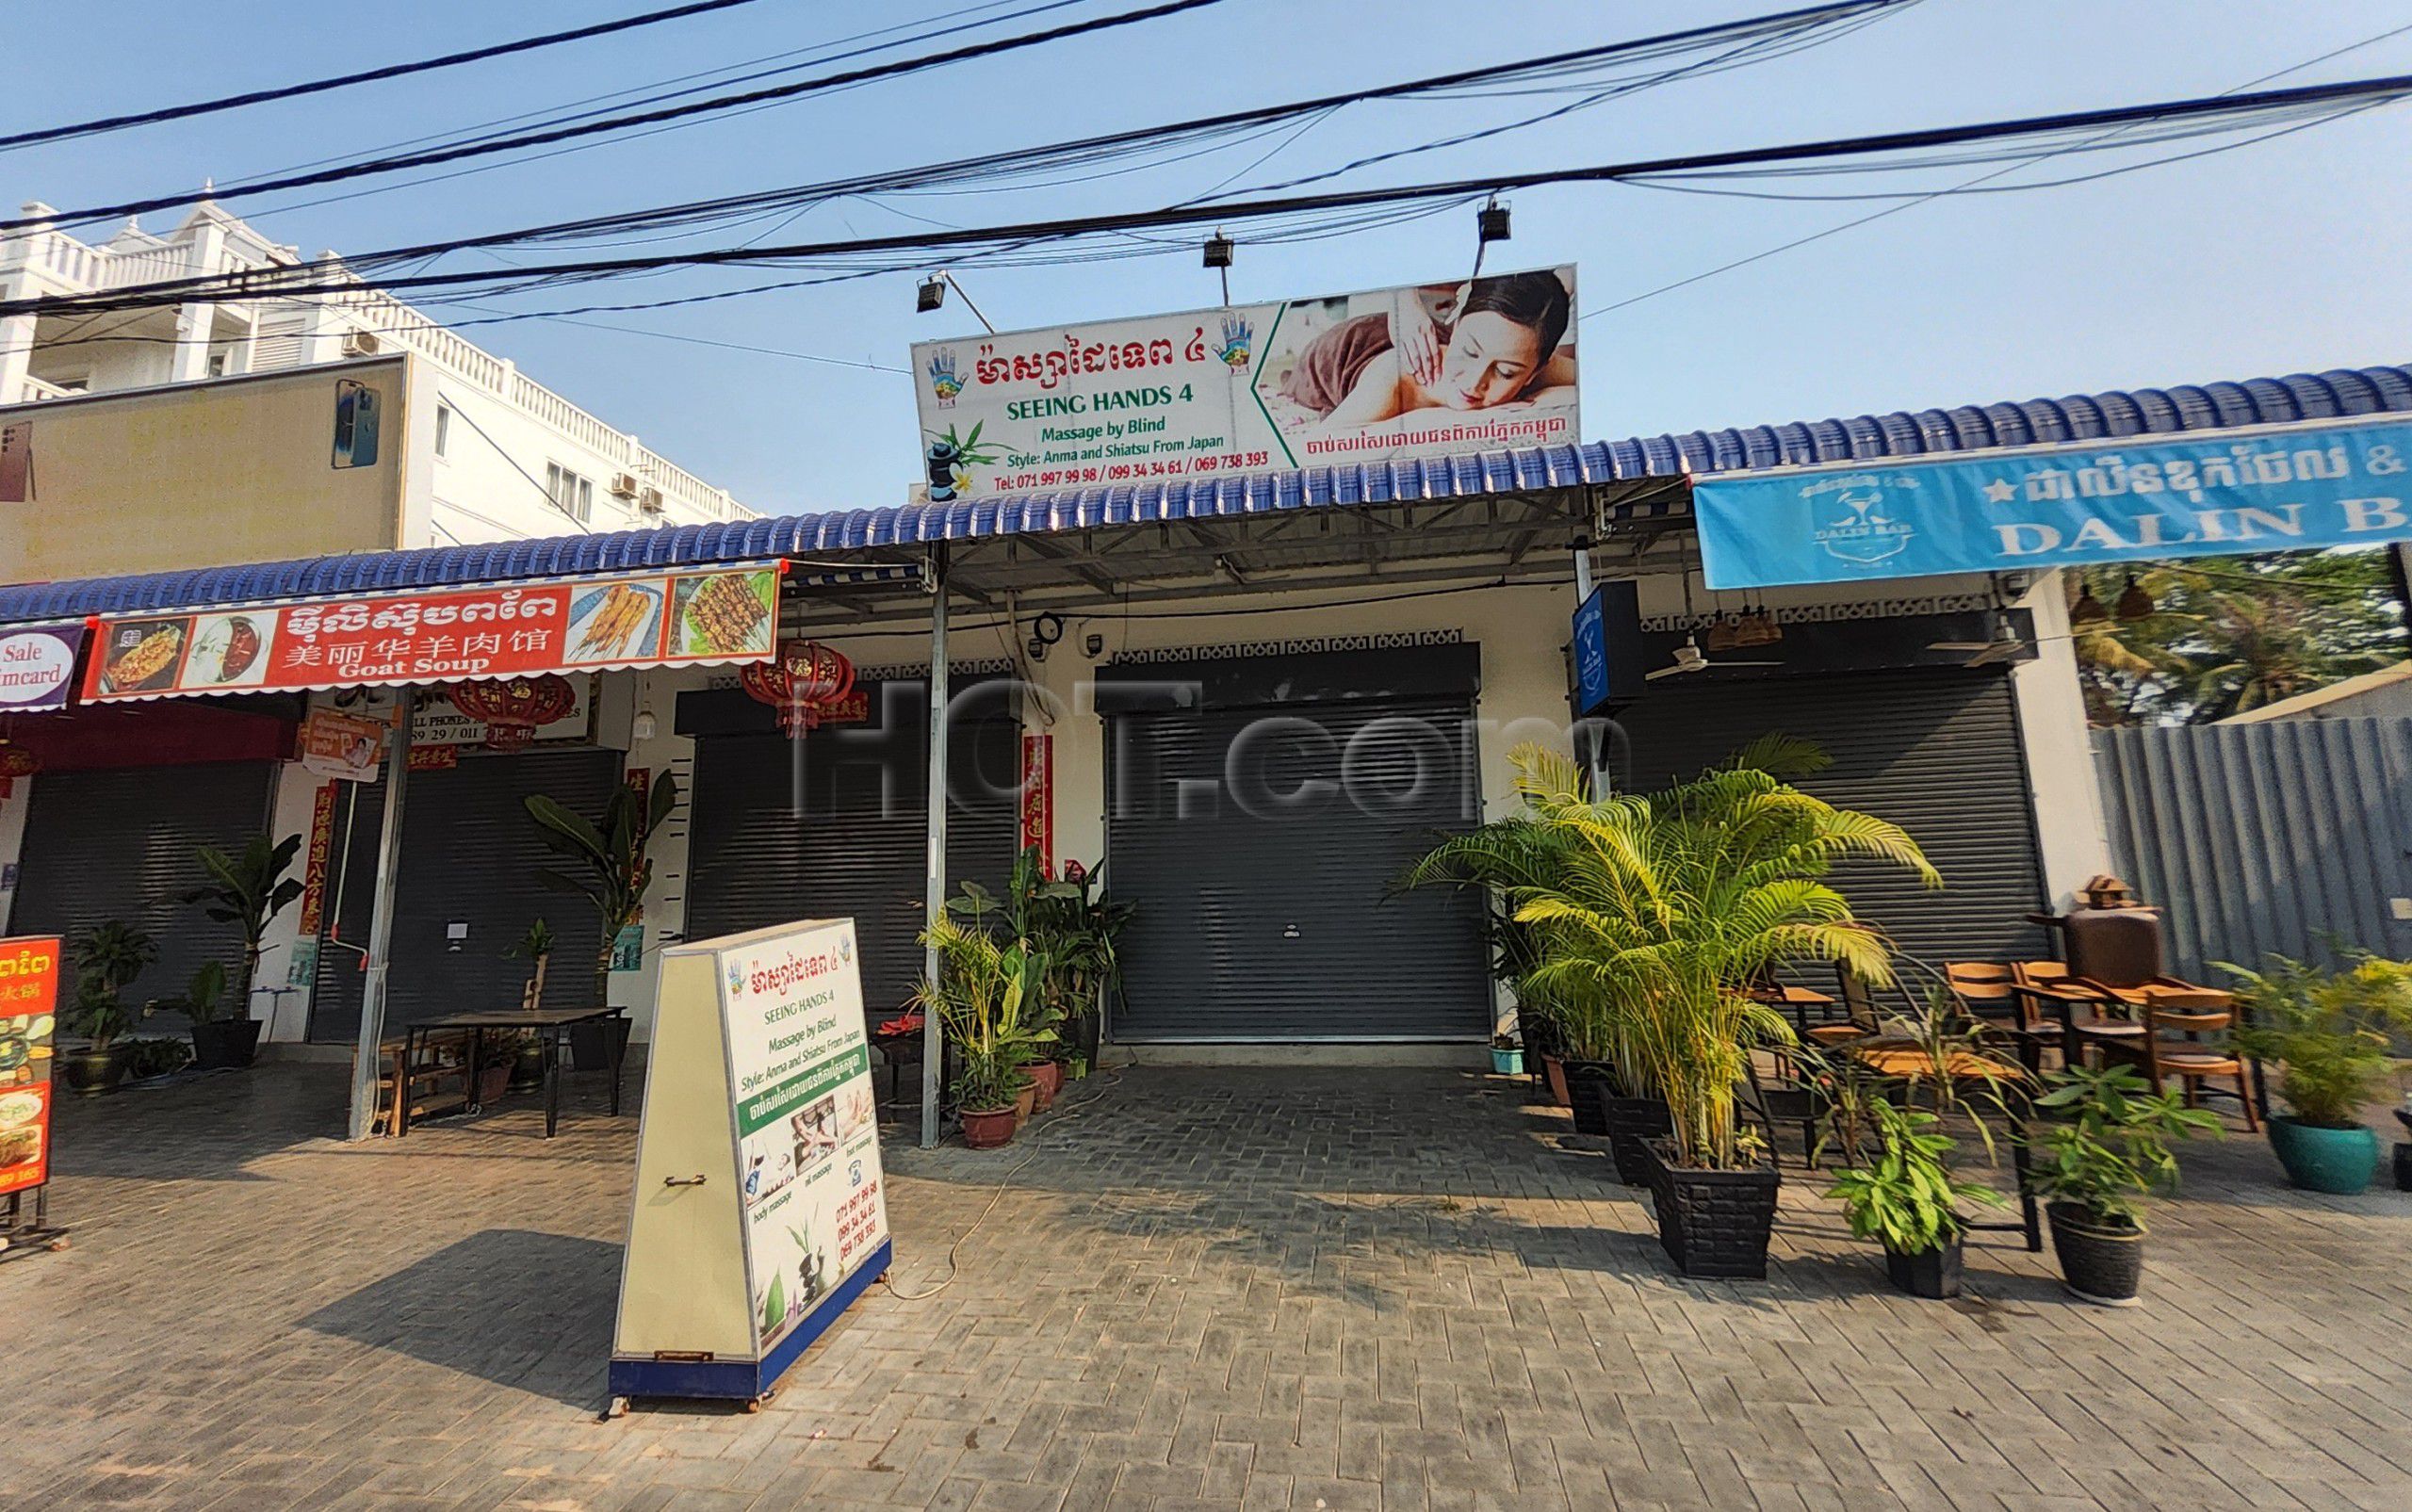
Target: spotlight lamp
{"x": 1491, "y": 222}
{"x": 931, "y": 295}
{"x": 1218, "y": 251}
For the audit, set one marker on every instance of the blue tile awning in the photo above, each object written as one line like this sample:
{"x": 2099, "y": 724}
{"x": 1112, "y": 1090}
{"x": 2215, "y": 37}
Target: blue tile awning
{"x": 835, "y": 535}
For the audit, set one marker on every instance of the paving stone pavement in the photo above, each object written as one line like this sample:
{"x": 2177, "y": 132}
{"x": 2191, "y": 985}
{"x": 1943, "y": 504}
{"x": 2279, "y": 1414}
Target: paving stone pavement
{"x": 1236, "y": 1287}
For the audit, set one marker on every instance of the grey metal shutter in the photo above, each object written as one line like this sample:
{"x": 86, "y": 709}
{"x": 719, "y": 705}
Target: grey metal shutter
{"x": 1935, "y": 750}
{"x": 119, "y": 844}
{"x": 470, "y": 854}
{"x": 857, "y": 845}
{"x": 1277, "y": 925}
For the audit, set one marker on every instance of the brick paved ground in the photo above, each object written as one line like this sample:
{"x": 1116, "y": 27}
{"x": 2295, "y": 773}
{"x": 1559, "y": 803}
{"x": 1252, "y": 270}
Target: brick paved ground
{"x": 1204, "y": 1288}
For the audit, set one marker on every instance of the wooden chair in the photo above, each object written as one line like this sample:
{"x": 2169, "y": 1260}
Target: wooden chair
{"x": 2174, "y": 1047}
{"x": 435, "y": 1078}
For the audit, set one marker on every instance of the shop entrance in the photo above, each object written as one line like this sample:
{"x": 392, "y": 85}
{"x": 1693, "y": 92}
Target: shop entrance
{"x": 837, "y": 828}
{"x": 468, "y": 889}
{"x": 1935, "y": 750}
{"x": 124, "y": 845}
{"x": 1258, "y": 843}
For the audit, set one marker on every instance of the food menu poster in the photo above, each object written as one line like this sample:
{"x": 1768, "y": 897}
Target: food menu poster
{"x": 668, "y": 619}
{"x": 28, "y": 1026}
{"x": 807, "y": 1120}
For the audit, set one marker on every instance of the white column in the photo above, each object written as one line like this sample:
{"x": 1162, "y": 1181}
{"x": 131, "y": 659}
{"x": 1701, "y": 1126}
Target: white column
{"x": 16, "y": 356}
{"x": 2069, "y": 826}
{"x": 932, "y": 1031}
{"x": 191, "y": 359}
{"x": 381, "y": 926}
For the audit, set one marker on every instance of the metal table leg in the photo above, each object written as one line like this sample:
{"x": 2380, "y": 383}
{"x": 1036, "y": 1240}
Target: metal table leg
{"x": 471, "y": 1101}
{"x": 402, "y": 1059}
{"x": 552, "y": 1037}
{"x": 619, "y": 1044}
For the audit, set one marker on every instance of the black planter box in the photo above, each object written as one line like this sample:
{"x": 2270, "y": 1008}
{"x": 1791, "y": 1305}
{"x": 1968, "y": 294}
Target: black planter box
{"x": 1588, "y": 1090}
{"x": 1633, "y": 1123}
{"x": 592, "y": 1047}
{"x": 2404, "y": 1167}
{"x": 1714, "y": 1224}
{"x": 1933, "y": 1272}
{"x": 225, "y": 1043}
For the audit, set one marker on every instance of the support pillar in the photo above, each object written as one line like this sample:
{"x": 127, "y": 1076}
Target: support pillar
{"x": 16, "y": 356}
{"x": 381, "y": 924}
{"x": 933, "y": 1029}
{"x": 194, "y": 323}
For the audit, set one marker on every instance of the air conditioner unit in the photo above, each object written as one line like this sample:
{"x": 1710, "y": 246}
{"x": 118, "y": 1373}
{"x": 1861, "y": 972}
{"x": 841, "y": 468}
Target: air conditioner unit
{"x": 361, "y": 344}
{"x": 624, "y": 485}
{"x": 650, "y": 500}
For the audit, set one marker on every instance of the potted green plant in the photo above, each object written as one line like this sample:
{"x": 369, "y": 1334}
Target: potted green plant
{"x": 2099, "y": 1145}
{"x": 610, "y": 869}
{"x": 247, "y": 889}
{"x": 106, "y": 958}
{"x": 1664, "y": 914}
{"x": 204, "y": 1003}
{"x": 991, "y": 1006}
{"x": 1907, "y": 1199}
{"x": 2328, "y": 1030}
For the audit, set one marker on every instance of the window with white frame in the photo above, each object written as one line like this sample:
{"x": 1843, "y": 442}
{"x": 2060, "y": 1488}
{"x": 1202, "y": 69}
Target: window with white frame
{"x": 443, "y": 429}
{"x": 573, "y": 493}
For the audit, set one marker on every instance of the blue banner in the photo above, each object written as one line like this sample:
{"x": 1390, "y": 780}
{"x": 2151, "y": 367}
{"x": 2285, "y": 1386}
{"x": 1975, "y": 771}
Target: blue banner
{"x": 2223, "y": 495}
{"x": 1591, "y": 652}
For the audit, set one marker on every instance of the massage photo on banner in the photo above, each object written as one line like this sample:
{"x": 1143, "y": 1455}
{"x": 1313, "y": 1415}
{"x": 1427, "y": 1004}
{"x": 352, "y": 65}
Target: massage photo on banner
{"x": 1431, "y": 368}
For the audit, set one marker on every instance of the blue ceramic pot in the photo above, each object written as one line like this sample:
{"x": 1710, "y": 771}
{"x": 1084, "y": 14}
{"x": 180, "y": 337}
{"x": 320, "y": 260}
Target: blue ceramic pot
{"x": 2340, "y": 1160}
{"x": 1506, "y": 1063}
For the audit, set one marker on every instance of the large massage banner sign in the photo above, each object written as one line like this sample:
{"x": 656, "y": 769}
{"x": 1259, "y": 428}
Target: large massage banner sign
{"x": 761, "y": 1210}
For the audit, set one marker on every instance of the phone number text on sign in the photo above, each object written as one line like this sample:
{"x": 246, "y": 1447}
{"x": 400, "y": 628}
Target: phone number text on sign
{"x": 1131, "y": 472}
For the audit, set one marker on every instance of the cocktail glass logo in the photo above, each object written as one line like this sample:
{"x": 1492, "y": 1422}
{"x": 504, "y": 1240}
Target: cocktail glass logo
{"x": 944, "y": 383}
{"x": 1236, "y": 350}
{"x": 1858, "y": 527}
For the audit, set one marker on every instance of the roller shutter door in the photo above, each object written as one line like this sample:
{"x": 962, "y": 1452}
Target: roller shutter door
{"x": 1935, "y": 750}
{"x": 1276, "y": 924}
{"x": 470, "y": 856}
{"x": 859, "y": 845}
{"x": 121, "y": 844}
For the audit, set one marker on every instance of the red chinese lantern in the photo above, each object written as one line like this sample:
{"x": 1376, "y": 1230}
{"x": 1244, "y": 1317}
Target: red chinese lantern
{"x": 16, "y": 761}
{"x": 804, "y": 682}
{"x": 512, "y": 708}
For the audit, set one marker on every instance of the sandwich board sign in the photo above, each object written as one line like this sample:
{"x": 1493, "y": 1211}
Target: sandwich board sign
{"x": 759, "y": 1212}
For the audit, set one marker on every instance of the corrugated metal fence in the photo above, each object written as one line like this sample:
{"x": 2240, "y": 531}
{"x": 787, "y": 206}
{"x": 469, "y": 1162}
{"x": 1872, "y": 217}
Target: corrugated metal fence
{"x": 2261, "y": 837}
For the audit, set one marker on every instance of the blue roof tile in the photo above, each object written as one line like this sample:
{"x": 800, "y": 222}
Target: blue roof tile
{"x": 2343, "y": 392}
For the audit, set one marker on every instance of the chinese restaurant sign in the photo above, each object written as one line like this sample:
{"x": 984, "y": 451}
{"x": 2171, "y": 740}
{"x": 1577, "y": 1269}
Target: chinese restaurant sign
{"x": 28, "y": 1007}
{"x": 38, "y": 667}
{"x": 1371, "y": 377}
{"x": 672, "y": 619}
{"x": 2115, "y": 501}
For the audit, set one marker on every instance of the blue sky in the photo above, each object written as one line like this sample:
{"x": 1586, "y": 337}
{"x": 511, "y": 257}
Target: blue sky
{"x": 2279, "y": 257}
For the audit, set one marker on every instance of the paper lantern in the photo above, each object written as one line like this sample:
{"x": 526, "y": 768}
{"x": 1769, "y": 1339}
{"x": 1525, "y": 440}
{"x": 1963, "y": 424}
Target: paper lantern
{"x": 804, "y": 682}
{"x": 511, "y": 708}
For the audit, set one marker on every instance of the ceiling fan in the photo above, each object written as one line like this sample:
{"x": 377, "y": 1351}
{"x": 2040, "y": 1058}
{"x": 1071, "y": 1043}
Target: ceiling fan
{"x": 2005, "y": 642}
{"x": 1689, "y": 656}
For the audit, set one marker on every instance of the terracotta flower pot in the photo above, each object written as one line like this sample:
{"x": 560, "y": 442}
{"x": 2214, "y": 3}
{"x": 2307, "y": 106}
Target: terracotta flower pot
{"x": 1024, "y": 1100}
{"x": 987, "y": 1127}
{"x": 1046, "y": 1080}
{"x": 1554, "y": 1072}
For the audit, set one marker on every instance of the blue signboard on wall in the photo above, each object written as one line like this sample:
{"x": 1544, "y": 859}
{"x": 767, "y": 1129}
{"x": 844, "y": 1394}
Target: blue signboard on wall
{"x": 1591, "y": 652}
{"x": 2228, "y": 495}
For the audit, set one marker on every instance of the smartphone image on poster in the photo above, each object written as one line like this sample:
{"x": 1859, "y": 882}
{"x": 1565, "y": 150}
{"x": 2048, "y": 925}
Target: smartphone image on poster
{"x": 357, "y": 412}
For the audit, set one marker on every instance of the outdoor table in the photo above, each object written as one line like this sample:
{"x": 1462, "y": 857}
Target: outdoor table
{"x": 551, "y": 1023}
{"x": 1796, "y": 1004}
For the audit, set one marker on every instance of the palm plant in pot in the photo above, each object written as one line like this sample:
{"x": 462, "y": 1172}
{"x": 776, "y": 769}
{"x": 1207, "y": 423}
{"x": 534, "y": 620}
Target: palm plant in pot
{"x": 2098, "y": 1147}
{"x": 609, "y": 866}
{"x": 1671, "y": 908}
{"x": 1907, "y": 1199}
{"x": 990, "y": 1002}
{"x": 247, "y": 889}
{"x": 106, "y": 958}
{"x": 2329, "y": 1031}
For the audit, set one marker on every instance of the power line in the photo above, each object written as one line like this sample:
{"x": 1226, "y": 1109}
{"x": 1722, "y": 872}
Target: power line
{"x": 2223, "y": 112}
{"x": 622, "y": 123}
{"x": 1980, "y": 179}
{"x": 392, "y": 71}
